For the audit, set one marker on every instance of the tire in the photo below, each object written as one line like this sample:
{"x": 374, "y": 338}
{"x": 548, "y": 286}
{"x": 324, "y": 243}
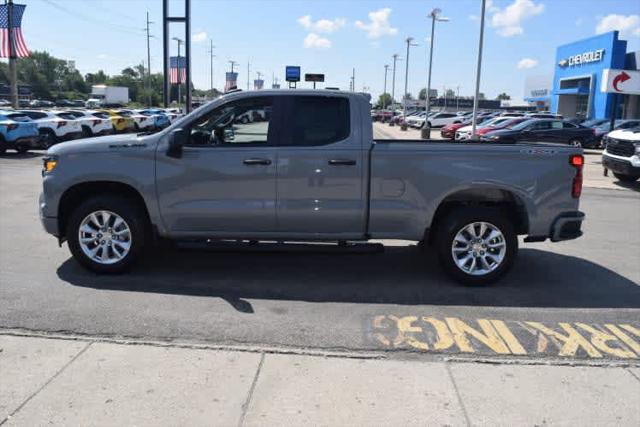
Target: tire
{"x": 134, "y": 219}
{"x": 244, "y": 120}
{"x": 86, "y": 132}
{"x": 21, "y": 149}
{"x": 625, "y": 178}
{"x": 498, "y": 259}
{"x": 49, "y": 138}
{"x": 576, "y": 143}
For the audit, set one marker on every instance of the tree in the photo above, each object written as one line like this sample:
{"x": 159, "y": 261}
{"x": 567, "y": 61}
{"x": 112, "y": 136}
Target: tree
{"x": 450, "y": 93}
{"x": 503, "y": 97}
{"x": 481, "y": 96}
{"x": 384, "y": 100}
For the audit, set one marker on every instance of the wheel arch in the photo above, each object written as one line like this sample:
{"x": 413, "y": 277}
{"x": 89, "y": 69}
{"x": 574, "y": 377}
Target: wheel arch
{"x": 508, "y": 201}
{"x": 77, "y": 193}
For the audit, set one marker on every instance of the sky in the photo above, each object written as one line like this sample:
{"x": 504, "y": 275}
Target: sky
{"x": 333, "y": 37}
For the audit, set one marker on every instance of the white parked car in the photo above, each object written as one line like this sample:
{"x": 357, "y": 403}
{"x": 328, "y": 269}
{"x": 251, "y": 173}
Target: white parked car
{"x": 415, "y": 119}
{"x": 54, "y": 126}
{"x": 93, "y": 123}
{"x": 140, "y": 121}
{"x": 439, "y": 120}
{"x": 173, "y": 114}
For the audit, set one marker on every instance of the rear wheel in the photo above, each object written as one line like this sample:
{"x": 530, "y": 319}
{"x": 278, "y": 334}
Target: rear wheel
{"x": 476, "y": 246}
{"x": 86, "y": 132}
{"x": 625, "y": 178}
{"x": 107, "y": 234}
{"x": 48, "y": 138}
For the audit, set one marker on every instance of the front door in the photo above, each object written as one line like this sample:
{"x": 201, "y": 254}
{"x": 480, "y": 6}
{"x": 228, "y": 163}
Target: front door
{"x": 321, "y": 167}
{"x": 225, "y": 182}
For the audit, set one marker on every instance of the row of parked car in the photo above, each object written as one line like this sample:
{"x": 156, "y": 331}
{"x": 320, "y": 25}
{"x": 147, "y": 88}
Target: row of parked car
{"x": 23, "y": 130}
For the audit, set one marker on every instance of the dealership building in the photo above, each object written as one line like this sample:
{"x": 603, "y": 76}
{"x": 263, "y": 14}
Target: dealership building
{"x": 592, "y": 78}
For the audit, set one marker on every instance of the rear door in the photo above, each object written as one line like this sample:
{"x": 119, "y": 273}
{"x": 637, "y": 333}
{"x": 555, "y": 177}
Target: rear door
{"x": 321, "y": 167}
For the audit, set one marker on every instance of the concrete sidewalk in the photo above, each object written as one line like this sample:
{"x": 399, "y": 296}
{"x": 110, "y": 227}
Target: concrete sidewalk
{"x": 85, "y": 382}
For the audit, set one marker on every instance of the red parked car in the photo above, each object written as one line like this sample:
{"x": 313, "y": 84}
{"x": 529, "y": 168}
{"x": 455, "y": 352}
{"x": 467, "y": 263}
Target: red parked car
{"x": 449, "y": 131}
{"x": 502, "y": 125}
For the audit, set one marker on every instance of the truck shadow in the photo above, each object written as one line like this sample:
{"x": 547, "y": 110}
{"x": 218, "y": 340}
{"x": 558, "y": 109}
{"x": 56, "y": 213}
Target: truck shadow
{"x": 399, "y": 275}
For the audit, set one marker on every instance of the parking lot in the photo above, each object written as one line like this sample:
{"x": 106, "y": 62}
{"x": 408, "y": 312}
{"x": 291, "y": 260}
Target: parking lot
{"x": 322, "y": 299}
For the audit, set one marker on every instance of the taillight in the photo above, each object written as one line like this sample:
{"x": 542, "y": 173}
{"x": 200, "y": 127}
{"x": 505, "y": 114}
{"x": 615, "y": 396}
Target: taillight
{"x": 577, "y": 161}
{"x": 61, "y": 123}
{"x": 95, "y": 122}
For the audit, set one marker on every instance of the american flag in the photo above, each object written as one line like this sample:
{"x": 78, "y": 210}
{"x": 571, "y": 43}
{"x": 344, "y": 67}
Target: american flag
{"x": 231, "y": 80}
{"x": 19, "y": 48}
{"x": 177, "y": 69}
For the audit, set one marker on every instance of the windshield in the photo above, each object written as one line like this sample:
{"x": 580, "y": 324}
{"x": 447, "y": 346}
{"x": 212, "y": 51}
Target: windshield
{"x": 522, "y": 125}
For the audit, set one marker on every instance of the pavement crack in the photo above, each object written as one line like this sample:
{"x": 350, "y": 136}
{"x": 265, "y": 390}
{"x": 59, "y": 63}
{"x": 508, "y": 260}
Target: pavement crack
{"x": 455, "y": 387}
{"x": 35, "y": 393}
{"x": 633, "y": 374}
{"x": 245, "y": 405}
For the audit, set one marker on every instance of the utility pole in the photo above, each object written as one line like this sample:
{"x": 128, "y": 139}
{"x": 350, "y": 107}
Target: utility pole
{"x": 475, "y": 97}
{"x": 384, "y": 91}
{"x": 410, "y": 43}
{"x": 458, "y": 98}
{"x": 353, "y": 80}
{"x": 13, "y": 71}
{"x": 211, "y": 56}
{"x": 248, "y": 74}
{"x": 435, "y": 16}
{"x": 232, "y": 64}
{"x": 179, "y": 70}
{"x": 149, "y": 89}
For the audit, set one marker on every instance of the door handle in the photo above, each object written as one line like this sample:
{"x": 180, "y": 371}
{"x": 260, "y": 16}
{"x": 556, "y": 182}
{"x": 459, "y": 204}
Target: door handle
{"x": 342, "y": 162}
{"x": 256, "y": 161}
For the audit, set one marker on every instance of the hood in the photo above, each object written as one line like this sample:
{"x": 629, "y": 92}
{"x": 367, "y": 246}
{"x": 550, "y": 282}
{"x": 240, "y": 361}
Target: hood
{"x": 98, "y": 144}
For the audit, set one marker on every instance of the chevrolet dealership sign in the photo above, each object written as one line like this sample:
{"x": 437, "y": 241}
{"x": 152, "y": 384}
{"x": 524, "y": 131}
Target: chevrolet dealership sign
{"x": 621, "y": 81}
{"x": 582, "y": 58}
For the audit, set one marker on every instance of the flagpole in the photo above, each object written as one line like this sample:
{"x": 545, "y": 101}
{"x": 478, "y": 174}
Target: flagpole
{"x": 13, "y": 72}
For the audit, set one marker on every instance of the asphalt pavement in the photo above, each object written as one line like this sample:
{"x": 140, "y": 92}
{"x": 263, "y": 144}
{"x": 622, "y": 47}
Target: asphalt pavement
{"x": 576, "y": 300}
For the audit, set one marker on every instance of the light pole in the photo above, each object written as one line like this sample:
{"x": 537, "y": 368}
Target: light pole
{"x": 435, "y": 16}
{"x": 396, "y": 58}
{"x": 180, "y": 41}
{"x": 384, "y": 91}
{"x": 475, "y": 97}
{"x": 403, "y": 126}
{"x": 211, "y": 56}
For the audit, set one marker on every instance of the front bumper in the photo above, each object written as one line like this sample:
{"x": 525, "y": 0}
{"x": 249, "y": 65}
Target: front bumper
{"x": 50, "y": 224}
{"x": 620, "y": 166}
{"x": 567, "y": 226}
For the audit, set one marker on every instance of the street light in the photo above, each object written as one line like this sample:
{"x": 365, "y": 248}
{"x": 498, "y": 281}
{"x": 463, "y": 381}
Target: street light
{"x": 435, "y": 16}
{"x": 180, "y": 41}
{"x": 475, "y": 97}
{"x": 406, "y": 82}
{"x": 396, "y": 58}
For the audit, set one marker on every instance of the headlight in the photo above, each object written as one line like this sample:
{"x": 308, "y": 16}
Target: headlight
{"x": 49, "y": 164}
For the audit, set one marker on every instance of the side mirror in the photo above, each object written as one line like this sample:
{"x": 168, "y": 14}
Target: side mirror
{"x": 177, "y": 139}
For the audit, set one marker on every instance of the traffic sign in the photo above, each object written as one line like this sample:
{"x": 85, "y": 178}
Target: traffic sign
{"x": 292, "y": 73}
{"x": 621, "y": 81}
{"x": 314, "y": 77}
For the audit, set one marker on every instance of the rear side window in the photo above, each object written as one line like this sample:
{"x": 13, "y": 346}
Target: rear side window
{"x": 66, "y": 116}
{"x": 319, "y": 120}
{"x": 568, "y": 125}
{"x": 35, "y": 115}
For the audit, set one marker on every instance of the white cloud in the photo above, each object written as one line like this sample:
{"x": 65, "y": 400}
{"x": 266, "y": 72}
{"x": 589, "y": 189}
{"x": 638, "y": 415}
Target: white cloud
{"x": 322, "y": 25}
{"x": 103, "y": 56}
{"x": 315, "y": 41}
{"x": 379, "y": 24}
{"x": 199, "y": 37}
{"x": 527, "y": 63}
{"x": 508, "y": 21}
{"x": 627, "y": 25}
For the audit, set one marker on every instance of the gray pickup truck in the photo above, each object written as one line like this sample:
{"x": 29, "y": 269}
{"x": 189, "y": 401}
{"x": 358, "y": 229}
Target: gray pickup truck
{"x": 305, "y": 167}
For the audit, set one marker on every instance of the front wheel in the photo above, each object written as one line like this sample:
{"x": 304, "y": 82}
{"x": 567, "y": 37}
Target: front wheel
{"x": 107, "y": 234}
{"x": 48, "y": 138}
{"x": 476, "y": 246}
{"x": 625, "y": 178}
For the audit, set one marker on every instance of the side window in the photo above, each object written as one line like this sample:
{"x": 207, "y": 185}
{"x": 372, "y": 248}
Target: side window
{"x": 319, "y": 120}
{"x": 567, "y": 125}
{"x": 556, "y": 124}
{"x": 243, "y": 122}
